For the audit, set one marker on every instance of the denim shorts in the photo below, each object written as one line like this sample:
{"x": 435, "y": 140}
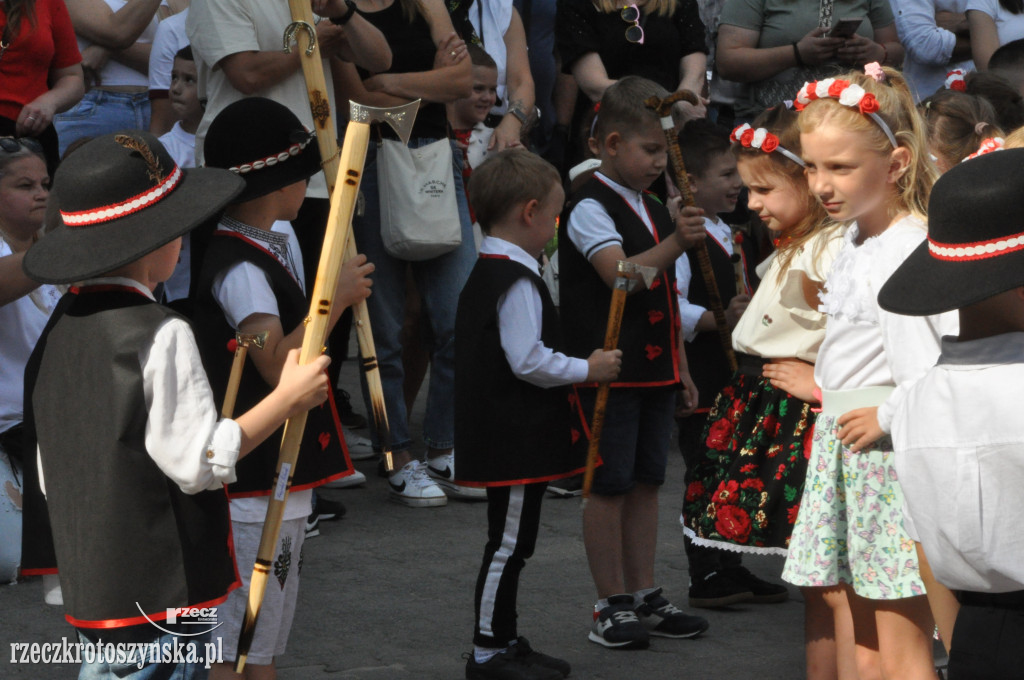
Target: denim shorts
{"x": 637, "y": 431}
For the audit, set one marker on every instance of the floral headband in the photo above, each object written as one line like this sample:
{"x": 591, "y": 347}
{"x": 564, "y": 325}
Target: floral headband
{"x": 849, "y": 94}
{"x": 759, "y": 138}
{"x": 987, "y": 146}
{"x": 955, "y": 80}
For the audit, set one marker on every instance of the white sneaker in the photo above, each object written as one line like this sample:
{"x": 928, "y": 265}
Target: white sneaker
{"x": 359, "y": 448}
{"x": 357, "y": 478}
{"x": 411, "y": 486}
{"x": 442, "y": 471}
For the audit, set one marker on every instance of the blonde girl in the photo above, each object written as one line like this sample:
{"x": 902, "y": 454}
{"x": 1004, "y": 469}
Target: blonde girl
{"x": 867, "y": 162}
{"x": 744, "y": 493}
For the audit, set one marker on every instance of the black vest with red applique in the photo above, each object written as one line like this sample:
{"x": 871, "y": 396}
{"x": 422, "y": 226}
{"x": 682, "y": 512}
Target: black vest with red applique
{"x": 508, "y": 431}
{"x": 705, "y": 355}
{"x": 323, "y": 456}
{"x": 649, "y": 338}
{"x": 129, "y": 542}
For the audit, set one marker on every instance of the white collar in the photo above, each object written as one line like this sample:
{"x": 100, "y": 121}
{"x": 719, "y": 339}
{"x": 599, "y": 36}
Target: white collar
{"x": 492, "y": 245}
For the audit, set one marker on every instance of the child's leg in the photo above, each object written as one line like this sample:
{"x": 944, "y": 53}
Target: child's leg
{"x": 640, "y": 516}
{"x": 894, "y": 638}
{"x": 828, "y": 634}
{"x": 513, "y": 518}
{"x": 602, "y": 537}
{"x": 940, "y": 598}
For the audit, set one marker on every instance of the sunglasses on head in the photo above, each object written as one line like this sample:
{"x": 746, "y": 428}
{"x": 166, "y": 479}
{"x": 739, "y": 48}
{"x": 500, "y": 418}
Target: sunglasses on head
{"x": 14, "y": 144}
{"x": 635, "y": 33}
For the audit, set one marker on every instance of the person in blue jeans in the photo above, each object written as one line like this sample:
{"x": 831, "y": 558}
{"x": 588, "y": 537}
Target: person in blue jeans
{"x": 428, "y": 62}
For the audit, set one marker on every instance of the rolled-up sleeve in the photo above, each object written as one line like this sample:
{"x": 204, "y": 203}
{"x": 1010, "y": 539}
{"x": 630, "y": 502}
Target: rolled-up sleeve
{"x": 924, "y": 41}
{"x": 184, "y": 435}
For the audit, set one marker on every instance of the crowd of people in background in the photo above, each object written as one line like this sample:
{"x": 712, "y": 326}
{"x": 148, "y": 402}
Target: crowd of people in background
{"x": 811, "y": 136}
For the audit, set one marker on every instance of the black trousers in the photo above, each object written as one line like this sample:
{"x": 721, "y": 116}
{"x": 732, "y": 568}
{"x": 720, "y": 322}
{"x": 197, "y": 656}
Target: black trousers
{"x": 701, "y": 560}
{"x": 513, "y": 518}
{"x": 988, "y": 637}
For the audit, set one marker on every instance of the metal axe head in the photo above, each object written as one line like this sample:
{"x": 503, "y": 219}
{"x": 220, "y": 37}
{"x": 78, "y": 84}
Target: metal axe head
{"x": 400, "y": 118}
{"x": 258, "y": 340}
{"x": 633, "y": 273}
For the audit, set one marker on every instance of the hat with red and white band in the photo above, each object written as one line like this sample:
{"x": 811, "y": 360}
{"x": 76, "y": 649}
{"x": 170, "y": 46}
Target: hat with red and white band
{"x": 975, "y": 243}
{"x": 120, "y": 197}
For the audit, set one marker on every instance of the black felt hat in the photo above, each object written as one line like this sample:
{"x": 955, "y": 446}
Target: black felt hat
{"x": 975, "y": 245}
{"x": 121, "y": 196}
{"x": 264, "y": 143}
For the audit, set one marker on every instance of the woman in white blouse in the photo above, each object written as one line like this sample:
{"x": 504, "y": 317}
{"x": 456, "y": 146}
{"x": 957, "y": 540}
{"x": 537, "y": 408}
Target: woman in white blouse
{"x": 993, "y": 23}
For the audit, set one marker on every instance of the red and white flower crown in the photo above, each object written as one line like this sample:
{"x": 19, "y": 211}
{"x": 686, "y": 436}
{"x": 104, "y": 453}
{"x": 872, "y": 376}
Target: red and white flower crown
{"x": 955, "y": 80}
{"x": 987, "y": 146}
{"x": 759, "y": 138}
{"x": 848, "y": 94}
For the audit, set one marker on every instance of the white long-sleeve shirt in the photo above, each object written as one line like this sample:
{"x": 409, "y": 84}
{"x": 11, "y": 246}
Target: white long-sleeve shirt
{"x": 520, "y": 317}
{"x": 689, "y": 313}
{"x": 929, "y": 47}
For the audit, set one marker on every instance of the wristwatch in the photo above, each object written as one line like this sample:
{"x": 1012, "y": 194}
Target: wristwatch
{"x": 520, "y": 115}
{"x": 344, "y": 18}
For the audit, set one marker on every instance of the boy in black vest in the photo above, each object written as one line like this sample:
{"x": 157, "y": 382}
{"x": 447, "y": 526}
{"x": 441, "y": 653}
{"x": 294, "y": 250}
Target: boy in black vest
{"x": 133, "y": 456}
{"x": 612, "y": 219}
{"x": 717, "y": 578}
{"x": 247, "y": 284}
{"x": 508, "y": 371}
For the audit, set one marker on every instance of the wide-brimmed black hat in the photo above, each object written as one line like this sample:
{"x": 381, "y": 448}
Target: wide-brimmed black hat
{"x": 121, "y": 196}
{"x": 975, "y": 245}
{"x": 264, "y": 143}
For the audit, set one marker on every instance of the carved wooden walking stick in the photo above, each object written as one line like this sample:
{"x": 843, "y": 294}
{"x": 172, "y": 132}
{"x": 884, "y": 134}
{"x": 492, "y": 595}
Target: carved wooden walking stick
{"x": 627, "y": 275}
{"x": 663, "y": 107}
{"x": 240, "y": 347}
{"x": 338, "y": 246}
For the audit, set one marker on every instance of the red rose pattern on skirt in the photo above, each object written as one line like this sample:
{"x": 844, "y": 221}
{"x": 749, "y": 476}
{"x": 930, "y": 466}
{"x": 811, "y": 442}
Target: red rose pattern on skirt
{"x": 746, "y": 489}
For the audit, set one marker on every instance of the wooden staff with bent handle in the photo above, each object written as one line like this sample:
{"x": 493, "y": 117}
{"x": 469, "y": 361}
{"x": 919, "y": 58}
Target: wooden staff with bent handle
{"x": 343, "y": 178}
{"x": 663, "y": 107}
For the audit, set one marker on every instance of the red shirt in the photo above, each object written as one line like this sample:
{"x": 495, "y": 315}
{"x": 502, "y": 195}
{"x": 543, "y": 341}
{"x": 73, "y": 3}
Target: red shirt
{"x": 25, "y": 66}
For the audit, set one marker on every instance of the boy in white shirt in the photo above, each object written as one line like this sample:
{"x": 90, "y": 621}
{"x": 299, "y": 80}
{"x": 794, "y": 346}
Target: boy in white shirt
{"x": 957, "y": 435}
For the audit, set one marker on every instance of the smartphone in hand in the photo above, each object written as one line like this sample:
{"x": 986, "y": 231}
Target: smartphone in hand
{"x": 844, "y": 28}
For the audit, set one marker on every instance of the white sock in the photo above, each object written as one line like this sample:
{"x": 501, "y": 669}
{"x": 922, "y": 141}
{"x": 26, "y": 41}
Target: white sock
{"x": 485, "y": 654}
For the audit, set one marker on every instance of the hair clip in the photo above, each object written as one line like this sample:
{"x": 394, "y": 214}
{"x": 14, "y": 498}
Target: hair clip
{"x": 987, "y": 146}
{"x": 874, "y": 71}
{"x": 955, "y": 80}
{"x": 761, "y": 139}
{"x": 847, "y": 94}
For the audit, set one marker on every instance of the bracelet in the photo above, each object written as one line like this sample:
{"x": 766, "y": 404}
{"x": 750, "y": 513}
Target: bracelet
{"x": 344, "y": 18}
{"x": 796, "y": 53}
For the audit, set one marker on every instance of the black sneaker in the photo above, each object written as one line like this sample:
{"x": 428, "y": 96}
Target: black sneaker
{"x": 346, "y": 415}
{"x": 662, "y": 618}
{"x": 764, "y": 591}
{"x": 718, "y": 590}
{"x": 328, "y": 510}
{"x": 313, "y": 525}
{"x": 617, "y": 625}
{"x": 507, "y": 665}
{"x": 566, "y": 488}
{"x": 534, "y": 658}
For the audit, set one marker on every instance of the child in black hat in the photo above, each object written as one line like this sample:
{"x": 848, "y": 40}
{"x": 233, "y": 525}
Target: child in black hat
{"x": 132, "y": 454}
{"x": 247, "y": 284}
{"x": 958, "y": 434}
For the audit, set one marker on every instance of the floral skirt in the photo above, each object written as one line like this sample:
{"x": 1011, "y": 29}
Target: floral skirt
{"x": 850, "y": 527}
{"x": 745, "y": 490}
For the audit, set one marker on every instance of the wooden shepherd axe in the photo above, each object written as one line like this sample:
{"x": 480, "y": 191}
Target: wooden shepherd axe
{"x": 628, "y": 277}
{"x": 240, "y": 346}
{"x": 336, "y": 241}
{"x": 663, "y": 107}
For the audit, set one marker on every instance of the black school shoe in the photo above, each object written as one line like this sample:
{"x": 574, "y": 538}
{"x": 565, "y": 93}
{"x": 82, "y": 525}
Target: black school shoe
{"x": 718, "y": 590}
{"x": 534, "y": 658}
{"x": 617, "y": 626}
{"x": 663, "y": 619}
{"x": 508, "y": 665}
{"x": 764, "y": 591}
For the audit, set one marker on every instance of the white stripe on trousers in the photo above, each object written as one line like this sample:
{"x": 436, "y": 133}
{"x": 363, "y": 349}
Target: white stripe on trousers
{"x": 513, "y": 517}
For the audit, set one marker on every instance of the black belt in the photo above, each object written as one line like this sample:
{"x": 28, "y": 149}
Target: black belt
{"x": 1012, "y": 600}
{"x": 748, "y": 364}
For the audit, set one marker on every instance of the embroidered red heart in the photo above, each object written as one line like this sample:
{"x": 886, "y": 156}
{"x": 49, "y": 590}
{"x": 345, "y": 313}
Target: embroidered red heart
{"x": 655, "y": 315}
{"x": 575, "y": 435}
{"x": 573, "y": 398}
{"x": 324, "y": 439}
{"x": 655, "y": 283}
{"x": 653, "y": 352}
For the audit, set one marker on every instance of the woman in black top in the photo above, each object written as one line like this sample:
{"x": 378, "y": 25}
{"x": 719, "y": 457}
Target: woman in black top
{"x": 596, "y": 49}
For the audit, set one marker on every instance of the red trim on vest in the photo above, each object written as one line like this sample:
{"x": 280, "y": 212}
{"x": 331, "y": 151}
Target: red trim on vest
{"x": 139, "y": 620}
{"x": 491, "y": 256}
{"x": 522, "y": 482}
{"x": 255, "y": 244}
{"x": 660, "y": 383}
{"x": 42, "y": 571}
{"x": 106, "y": 288}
